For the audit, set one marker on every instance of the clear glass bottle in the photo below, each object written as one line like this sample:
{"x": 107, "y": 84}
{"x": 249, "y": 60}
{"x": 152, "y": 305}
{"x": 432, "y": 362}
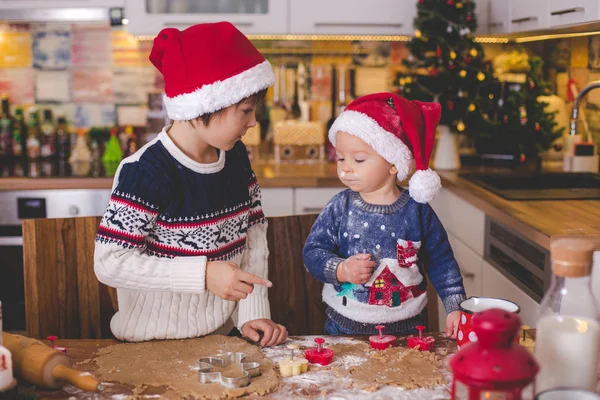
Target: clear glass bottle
{"x": 568, "y": 330}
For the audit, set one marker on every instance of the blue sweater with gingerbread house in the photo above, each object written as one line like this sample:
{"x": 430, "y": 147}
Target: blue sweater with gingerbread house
{"x": 405, "y": 239}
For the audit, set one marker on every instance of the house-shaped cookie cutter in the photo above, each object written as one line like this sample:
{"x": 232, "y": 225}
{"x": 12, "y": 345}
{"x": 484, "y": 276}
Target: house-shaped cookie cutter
{"x": 207, "y": 375}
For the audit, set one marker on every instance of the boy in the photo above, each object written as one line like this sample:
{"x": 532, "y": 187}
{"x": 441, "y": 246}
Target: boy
{"x": 184, "y": 237}
{"x": 372, "y": 243}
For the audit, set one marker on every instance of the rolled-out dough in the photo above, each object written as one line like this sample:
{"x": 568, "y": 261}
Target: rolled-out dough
{"x": 173, "y": 365}
{"x": 396, "y": 366}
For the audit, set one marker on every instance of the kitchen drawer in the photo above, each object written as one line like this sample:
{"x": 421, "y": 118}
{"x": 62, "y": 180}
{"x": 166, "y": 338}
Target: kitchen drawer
{"x": 573, "y": 12}
{"x": 470, "y": 266}
{"x": 358, "y": 17}
{"x": 529, "y": 15}
{"x": 494, "y": 284}
{"x": 461, "y": 219}
{"x": 277, "y": 202}
{"x": 37, "y": 4}
{"x": 312, "y": 200}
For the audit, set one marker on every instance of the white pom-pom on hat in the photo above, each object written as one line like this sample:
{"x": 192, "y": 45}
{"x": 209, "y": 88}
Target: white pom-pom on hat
{"x": 424, "y": 185}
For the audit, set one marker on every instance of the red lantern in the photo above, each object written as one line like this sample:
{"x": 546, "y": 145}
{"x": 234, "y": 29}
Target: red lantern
{"x": 494, "y": 367}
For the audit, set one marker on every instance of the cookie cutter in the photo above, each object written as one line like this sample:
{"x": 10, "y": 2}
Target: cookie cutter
{"x": 207, "y": 375}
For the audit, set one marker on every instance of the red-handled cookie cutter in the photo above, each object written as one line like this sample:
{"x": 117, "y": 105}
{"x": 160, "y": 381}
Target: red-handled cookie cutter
{"x": 52, "y": 339}
{"x": 421, "y": 343}
{"x": 381, "y": 341}
{"x": 319, "y": 355}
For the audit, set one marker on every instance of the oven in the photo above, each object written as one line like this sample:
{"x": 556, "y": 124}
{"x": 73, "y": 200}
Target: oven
{"x": 18, "y": 205}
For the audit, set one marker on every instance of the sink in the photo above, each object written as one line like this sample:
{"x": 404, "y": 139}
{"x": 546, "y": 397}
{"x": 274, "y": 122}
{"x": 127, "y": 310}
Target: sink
{"x": 543, "y": 186}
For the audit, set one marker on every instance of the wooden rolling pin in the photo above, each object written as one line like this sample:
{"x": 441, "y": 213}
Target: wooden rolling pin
{"x": 43, "y": 366}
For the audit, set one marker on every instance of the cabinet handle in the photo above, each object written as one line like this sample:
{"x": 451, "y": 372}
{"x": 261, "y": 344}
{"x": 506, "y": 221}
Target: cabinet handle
{"x": 184, "y": 25}
{"x": 354, "y": 24}
{"x": 312, "y": 209}
{"x": 568, "y": 11}
{"x": 468, "y": 275}
{"x": 525, "y": 19}
{"x": 495, "y": 24}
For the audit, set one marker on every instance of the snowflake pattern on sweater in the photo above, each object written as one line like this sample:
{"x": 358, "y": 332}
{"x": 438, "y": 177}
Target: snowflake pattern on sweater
{"x": 167, "y": 217}
{"x": 405, "y": 240}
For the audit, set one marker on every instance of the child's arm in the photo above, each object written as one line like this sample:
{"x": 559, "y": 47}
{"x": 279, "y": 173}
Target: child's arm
{"x": 119, "y": 257}
{"x": 320, "y": 252}
{"x": 255, "y": 260}
{"x": 438, "y": 259}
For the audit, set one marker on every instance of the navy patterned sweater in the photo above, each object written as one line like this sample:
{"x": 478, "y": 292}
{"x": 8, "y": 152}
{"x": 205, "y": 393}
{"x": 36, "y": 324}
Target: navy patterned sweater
{"x": 167, "y": 217}
{"x": 405, "y": 239}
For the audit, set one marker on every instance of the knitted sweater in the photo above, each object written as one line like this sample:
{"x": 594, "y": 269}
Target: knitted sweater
{"x": 167, "y": 217}
{"x": 405, "y": 239}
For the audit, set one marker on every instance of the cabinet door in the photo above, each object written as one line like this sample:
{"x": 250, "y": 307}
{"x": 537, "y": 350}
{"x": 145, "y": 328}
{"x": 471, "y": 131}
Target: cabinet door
{"x": 460, "y": 218}
{"x": 277, "y": 202}
{"x": 499, "y": 17}
{"x": 312, "y": 200}
{"x": 470, "y": 266}
{"x": 494, "y": 284}
{"x": 148, "y": 17}
{"x": 49, "y": 4}
{"x": 529, "y": 15}
{"x": 375, "y": 17}
{"x": 573, "y": 12}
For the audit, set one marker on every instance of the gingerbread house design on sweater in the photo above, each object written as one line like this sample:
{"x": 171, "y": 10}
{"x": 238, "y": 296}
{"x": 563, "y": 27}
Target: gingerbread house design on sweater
{"x": 396, "y": 281}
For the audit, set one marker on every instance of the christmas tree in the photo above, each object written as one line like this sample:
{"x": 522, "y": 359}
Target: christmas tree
{"x": 524, "y": 127}
{"x": 448, "y": 66}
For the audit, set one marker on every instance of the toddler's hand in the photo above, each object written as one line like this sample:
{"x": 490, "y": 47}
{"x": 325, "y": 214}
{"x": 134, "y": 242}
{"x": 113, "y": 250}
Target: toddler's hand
{"x": 356, "y": 269}
{"x": 272, "y": 333}
{"x": 226, "y": 280}
{"x": 452, "y": 321}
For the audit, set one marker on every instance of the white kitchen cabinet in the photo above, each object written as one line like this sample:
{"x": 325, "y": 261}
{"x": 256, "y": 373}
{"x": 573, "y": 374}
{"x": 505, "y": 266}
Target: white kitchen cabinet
{"x": 277, "y": 202}
{"x": 494, "y": 284}
{"x": 39, "y": 4}
{"x": 249, "y": 16}
{"x": 529, "y": 15}
{"x": 461, "y": 219}
{"x": 499, "y": 16}
{"x": 312, "y": 200}
{"x": 357, "y": 17}
{"x": 573, "y": 12}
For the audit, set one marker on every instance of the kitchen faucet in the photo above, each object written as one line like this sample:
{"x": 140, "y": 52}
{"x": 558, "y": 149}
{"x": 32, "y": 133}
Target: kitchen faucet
{"x": 581, "y": 95}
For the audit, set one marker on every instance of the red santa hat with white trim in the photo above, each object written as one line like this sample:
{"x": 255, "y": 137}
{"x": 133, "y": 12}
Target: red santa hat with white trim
{"x": 399, "y": 130}
{"x": 208, "y": 67}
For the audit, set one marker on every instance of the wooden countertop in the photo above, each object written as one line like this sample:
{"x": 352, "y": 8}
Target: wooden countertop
{"x": 269, "y": 174}
{"x": 539, "y": 221}
{"x": 84, "y": 350}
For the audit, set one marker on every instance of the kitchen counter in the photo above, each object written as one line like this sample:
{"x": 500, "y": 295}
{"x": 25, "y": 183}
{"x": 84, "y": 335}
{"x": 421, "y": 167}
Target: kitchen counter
{"x": 269, "y": 175}
{"x": 309, "y": 385}
{"x": 537, "y": 220}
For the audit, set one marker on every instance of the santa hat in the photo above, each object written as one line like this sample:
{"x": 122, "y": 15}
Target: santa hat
{"x": 399, "y": 130}
{"x": 208, "y": 67}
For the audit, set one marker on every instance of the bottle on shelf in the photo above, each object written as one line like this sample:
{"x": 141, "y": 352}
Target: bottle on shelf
{"x": 81, "y": 156}
{"x": 48, "y": 144}
{"x": 112, "y": 155}
{"x": 19, "y": 142}
{"x": 131, "y": 142}
{"x": 568, "y": 332}
{"x": 33, "y": 143}
{"x": 63, "y": 146}
{"x": 6, "y": 130}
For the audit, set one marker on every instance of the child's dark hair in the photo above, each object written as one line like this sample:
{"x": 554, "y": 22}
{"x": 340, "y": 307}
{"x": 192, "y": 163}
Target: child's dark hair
{"x": 253, "y": 100}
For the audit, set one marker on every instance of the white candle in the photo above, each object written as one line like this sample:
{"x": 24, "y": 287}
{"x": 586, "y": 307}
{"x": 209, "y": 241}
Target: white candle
{"x": 6, "y": 371}
{"x": 567, "y": 350}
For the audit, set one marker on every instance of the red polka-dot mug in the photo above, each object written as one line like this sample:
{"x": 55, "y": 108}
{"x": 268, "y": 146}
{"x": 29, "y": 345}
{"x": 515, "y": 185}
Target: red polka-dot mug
{"x": 474, "y": 305}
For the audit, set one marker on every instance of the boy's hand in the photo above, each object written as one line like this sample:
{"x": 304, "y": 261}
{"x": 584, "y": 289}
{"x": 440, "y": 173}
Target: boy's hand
{"x": 226, "y": 280}
{"x": 273, "y": 334}
{"x": 452, "y": 321}
{"x": 356, "y": 269}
